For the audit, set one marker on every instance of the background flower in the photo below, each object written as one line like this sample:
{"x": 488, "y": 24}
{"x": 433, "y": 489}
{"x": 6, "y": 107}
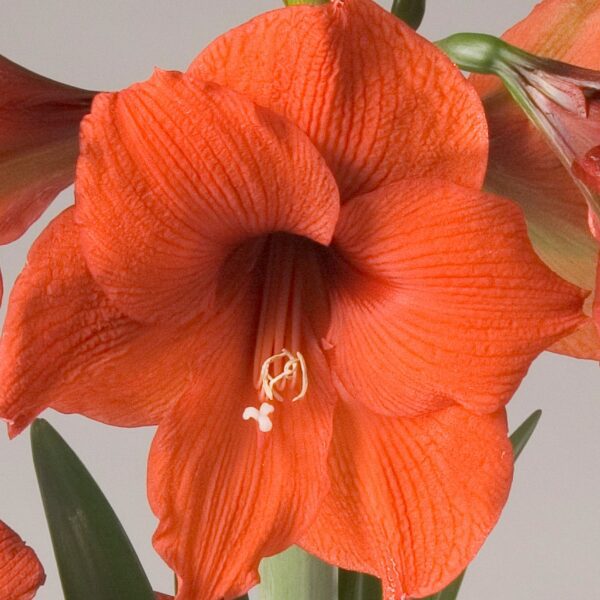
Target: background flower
{"x": 523, "y": 166}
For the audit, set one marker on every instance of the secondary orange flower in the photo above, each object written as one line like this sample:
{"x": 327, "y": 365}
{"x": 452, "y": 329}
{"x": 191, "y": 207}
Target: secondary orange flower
{"x": 284, "y": 257}
{"x": 39, "y": 127}
{"x": 525, "y": 168}
{"x": 21, "y": 573}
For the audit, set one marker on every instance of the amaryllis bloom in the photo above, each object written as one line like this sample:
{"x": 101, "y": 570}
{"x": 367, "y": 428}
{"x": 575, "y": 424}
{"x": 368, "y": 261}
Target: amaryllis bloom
{"x": 284, "y": 257}
{"x": 39, "y": 128}
{"x": 21, "y": 573}
{"x": 526, "y": 168}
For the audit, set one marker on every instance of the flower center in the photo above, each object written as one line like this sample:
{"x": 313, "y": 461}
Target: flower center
{"x": 280, "y": 371}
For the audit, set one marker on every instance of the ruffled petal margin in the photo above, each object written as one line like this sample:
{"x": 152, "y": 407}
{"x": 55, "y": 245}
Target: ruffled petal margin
{"x": 66, "y": 346}
{"x": 380, "y": 102}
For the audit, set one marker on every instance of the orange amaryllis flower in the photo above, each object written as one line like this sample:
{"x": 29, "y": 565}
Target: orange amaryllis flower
{"x": 39, "y": 127}
{"x": 522, "y": 164}
{"x": 284, "y": 256}
{"x": 21, "y": 573}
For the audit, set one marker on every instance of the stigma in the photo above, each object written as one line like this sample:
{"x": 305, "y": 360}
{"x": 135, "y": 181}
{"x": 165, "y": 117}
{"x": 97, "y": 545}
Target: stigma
{"x": 293, "y": 367}
{"x": 283, "y": 376}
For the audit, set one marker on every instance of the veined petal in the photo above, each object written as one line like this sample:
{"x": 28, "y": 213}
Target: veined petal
{"x": 440, "y": 300}
{"x": 21, "y": 573}
{"x": 412, "y": 499}
{"x": 226, "y": 494}
{"x": 174, "y": 176}
{"x": 66, "y": 346}
{"x": 39, "y": 127}
{"x": 380, "y": 102}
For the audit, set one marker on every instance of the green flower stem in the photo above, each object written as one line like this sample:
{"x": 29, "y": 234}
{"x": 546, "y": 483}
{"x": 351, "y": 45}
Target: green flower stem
{"x": 308, "y": 2}
{"x": 489, "y": 55}
{"x": 410, "y": 11}
{"x": 296, "y": 575}
{"x": 358, "y": 586}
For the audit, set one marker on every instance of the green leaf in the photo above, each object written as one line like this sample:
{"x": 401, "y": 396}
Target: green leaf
{"x": 519, "y": 440}
{"x": 450, "y": 592}
{"x": 296, "y": 575}
{"x": 358, "y": 586}
{"x": 523, "y": 433}
{"x": 410, "y": 11}
{"x": 96, "y": 560}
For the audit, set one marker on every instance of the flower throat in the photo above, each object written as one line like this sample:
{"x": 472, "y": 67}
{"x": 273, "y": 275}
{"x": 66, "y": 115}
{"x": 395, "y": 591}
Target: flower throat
{"x": 280, "y": 371}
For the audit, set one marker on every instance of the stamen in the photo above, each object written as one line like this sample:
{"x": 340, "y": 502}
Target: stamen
{"x": 292, "y": 366}
{"x": 261, "y": 416}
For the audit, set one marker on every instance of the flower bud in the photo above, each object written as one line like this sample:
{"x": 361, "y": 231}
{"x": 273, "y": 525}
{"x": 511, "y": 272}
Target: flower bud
{"x": 562, "y": 100}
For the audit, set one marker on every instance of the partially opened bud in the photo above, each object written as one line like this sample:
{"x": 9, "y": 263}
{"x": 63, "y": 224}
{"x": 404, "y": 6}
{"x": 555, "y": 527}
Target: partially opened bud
{"x": 39, "y": 131}
{"x": 562, "y": 100}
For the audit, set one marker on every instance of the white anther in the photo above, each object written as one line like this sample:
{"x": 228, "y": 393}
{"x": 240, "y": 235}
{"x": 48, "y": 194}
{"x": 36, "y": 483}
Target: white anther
{"x": 291, "y": 367}
{"x": 261, "y": 416}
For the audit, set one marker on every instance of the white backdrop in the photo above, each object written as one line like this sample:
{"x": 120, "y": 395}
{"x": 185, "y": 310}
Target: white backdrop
{"x": 547, "y": 545}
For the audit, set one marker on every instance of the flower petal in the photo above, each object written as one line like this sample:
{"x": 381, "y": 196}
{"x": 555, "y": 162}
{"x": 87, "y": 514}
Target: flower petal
{"x": 172, "y": 177}
{"x": 226, "y": 494}
{"x": 412, "y": 500}
{"x": 441, "y": 300}
{"x": 66, "y": 346}
{"x": 583, "y": 343}
{"x": 380, "y": 102}
{"x": 39, "y": 128}
{"x": 21, "y": 573}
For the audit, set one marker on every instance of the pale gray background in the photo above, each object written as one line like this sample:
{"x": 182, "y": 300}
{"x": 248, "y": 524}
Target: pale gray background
{"x": 547, "y": 545}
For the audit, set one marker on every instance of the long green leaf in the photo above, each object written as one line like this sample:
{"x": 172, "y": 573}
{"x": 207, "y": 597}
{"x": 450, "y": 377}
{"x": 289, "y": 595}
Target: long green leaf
{"x": 519, "y": 440}
{"x": 523, "y": 433}
{"x": 96, "y": 560}
{"x": 450, "y": 592}
{"x": 296, "y": 575}
{"x": 410, "y": 11}
{"x": 358, "y": 586}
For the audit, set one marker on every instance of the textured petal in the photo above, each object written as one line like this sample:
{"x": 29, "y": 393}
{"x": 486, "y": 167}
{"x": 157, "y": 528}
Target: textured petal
{"x": 39, "y": 127}
{"x": 21, "y": 573}
{"x": 440, "y": 299}
{"x": 66, "y": 346}
{"x": 226, "y": 494}
{"x": 412, "y": 500}
{"x": 523, "y": 167}
{"x": 174, "y": 176}
{"x": 380, "y": 102}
